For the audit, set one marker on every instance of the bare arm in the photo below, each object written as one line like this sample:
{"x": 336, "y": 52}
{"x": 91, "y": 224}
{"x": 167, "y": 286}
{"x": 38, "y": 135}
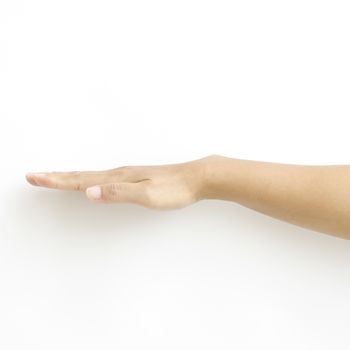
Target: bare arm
{"x": 312, "y": 196}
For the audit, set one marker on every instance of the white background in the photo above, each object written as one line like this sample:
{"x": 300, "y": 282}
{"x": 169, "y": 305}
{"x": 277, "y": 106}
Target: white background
{"x": 88, "y": 85}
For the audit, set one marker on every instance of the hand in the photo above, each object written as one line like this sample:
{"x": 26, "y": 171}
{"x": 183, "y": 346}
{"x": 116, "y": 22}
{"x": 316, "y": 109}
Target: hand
{"x": 168, "y": 186}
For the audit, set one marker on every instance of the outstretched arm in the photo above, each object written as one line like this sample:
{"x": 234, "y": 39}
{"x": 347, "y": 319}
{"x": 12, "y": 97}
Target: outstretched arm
{"x": 312, "y": 196}
{"x": 316, "y": 197}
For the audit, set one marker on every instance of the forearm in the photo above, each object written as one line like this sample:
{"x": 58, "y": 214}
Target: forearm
{"x": 312, "y": 196}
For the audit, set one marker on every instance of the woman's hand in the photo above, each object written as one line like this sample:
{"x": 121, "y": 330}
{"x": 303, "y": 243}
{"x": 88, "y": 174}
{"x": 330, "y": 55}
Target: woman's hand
{"x": 316, "y": 197}
{"x": 168, "y": 186}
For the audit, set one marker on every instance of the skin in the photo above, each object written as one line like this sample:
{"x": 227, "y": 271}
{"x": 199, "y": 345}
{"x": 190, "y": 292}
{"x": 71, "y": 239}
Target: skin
{"x": 316, "y": 197}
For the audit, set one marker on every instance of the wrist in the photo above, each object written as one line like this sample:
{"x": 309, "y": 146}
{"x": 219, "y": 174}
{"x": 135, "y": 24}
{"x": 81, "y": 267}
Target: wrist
{"x": 223, "y": 177}
{"x": 206, "y": 176}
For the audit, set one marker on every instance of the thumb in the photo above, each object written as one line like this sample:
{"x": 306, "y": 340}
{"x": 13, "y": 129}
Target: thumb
{"x": 128, "y": 192}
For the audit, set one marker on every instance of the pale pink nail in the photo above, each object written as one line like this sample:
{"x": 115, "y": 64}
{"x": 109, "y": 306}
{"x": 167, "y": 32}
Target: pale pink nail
{"x": 94, "y": 192}
{"x": 37, "y": 179}
{"x": 35, "y": 174}
{"x": 39, "y": 175}
{"x": 30, "y": 179}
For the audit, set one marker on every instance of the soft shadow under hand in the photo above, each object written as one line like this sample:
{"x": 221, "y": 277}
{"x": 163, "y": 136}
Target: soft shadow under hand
{"x": 72, "y": 212}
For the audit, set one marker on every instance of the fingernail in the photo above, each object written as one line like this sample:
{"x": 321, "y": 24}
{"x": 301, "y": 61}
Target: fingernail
{"x": 36, "y": 179}
{"x": 94, "y": 192}
{"x": 39, "y": 175}
{"x": 30, "y": 179}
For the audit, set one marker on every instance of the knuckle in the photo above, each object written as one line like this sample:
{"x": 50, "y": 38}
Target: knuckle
{"x": 113, "y": 190}
{"x": 76, "y": 180}
{"x": 78, "y": 187}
